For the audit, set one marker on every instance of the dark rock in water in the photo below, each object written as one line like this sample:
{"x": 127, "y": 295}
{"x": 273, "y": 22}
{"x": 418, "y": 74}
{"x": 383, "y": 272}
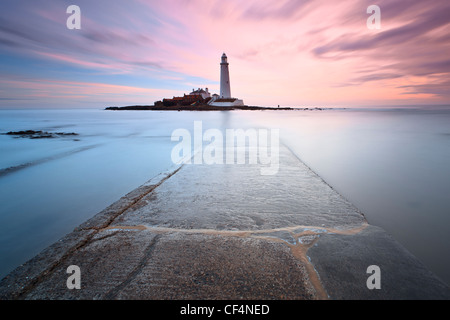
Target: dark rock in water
{"x": 31, "y": 134}
{"x": 20, "y": 133}
{"x": 66, "y": 133}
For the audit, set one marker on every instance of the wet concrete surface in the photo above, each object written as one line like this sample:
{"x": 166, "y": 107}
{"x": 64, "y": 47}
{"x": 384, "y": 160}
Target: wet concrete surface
{"x": 227, "y": 232}
{"x": 342, "y": 262}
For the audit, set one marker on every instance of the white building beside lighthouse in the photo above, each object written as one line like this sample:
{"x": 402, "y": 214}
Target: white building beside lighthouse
{"x": 225, "y": 99}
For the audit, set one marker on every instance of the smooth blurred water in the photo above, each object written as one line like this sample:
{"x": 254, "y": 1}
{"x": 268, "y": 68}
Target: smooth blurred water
{"x": 66, "y": 181}
{"x": 391, "y": 163}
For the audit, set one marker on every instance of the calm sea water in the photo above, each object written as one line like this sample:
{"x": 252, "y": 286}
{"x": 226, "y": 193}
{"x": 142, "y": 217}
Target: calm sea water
{"x": 391, "y": 163}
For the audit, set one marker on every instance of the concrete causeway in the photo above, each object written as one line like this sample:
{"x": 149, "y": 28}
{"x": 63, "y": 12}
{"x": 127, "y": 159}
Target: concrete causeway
{"x": 227, "y": 232}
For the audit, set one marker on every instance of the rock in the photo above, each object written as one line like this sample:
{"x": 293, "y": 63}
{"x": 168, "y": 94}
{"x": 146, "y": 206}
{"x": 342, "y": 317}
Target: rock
{"x": 31, "y": 134}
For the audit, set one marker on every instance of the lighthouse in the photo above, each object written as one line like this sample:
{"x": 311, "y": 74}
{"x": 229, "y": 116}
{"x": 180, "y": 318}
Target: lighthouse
{"x": 224, "y": 99}
{"x": 225, "y": 91}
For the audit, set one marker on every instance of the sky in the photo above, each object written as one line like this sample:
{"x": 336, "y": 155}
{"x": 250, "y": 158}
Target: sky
{"x": 284, "y": 52}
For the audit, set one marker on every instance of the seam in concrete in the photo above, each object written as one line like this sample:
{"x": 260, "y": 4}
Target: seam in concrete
{"x": 96, "y": 229}
{"x": 112, "y": 294}
{"x": 298, "y": 249}
{"x": 104, "y": 237}
{"x": 38, "y": 279}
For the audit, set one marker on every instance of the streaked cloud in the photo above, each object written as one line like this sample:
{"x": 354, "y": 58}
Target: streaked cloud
{"x": 288, "y": 52}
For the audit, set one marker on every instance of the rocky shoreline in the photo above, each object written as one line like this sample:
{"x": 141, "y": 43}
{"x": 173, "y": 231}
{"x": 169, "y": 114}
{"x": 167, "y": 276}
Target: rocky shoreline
{"x": 203, "y": 107}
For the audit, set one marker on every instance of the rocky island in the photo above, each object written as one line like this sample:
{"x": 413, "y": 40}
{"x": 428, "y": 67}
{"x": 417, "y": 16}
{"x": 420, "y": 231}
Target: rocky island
{"x": 194, "y": 107}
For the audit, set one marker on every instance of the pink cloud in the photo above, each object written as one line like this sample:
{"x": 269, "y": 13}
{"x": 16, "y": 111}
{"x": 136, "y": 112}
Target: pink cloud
{"x": 280, "y": 52}
{"x": 57, "y": 91}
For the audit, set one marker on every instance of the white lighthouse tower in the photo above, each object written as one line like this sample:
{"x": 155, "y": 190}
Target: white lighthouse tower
{"x": 225, "y": 99}
{"x": 225, "y": 91}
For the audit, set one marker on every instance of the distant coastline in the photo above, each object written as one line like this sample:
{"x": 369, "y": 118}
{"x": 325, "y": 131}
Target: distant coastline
{"x": 203, "y": 107}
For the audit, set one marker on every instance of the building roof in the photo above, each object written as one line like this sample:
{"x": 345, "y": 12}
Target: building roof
{"x": 199, "y": 90}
